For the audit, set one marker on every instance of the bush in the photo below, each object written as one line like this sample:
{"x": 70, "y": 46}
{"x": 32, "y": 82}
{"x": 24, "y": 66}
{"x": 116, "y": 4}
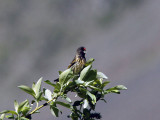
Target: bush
{"x": 89, "y": 87}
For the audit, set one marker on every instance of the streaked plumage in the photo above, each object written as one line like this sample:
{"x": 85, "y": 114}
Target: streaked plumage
{"x": 78, "y": 62}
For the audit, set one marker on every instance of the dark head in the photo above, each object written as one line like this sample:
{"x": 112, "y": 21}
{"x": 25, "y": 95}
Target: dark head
{"x": 81, "y": 51}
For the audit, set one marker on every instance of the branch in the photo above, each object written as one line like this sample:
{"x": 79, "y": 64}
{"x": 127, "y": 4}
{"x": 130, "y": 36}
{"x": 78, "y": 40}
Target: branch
{"x": 37, "y": 108}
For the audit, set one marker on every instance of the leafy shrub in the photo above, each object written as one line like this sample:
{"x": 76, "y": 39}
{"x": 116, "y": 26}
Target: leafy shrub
{"x": 89, "y": 87}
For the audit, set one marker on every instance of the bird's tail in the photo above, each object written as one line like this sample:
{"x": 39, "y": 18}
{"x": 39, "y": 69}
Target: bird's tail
{"x": 56, "y": 80}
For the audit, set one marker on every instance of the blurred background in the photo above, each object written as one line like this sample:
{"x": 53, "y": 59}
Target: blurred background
{"x": 38, "y": 38}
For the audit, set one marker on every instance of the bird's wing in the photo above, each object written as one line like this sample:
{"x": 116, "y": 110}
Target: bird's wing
{"x": 72, "y": 63}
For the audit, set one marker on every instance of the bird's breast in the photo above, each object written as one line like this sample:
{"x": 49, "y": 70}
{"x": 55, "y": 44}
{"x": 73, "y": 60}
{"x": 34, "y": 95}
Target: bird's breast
{"x": 78, "y": 66}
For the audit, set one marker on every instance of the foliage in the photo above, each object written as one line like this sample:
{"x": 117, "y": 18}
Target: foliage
{"x": 89, "y": 86}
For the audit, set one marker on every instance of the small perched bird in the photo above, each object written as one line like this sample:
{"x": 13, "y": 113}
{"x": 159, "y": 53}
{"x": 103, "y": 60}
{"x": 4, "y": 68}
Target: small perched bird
{"x": 78, "y": 62}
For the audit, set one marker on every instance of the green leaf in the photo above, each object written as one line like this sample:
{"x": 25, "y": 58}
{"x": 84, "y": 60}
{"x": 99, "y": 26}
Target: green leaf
{"x": 84, "y": 72}
{"x": 91, "y": 75}
{"x": 101, "y": 75}
{"x": 48, "y": 94}
{"x": 95, "y": 88}
{"x": 39, "y": 96}
{"x": 27, "y": 90}
{"x": 16, "y": 105}
{"x": 79, "y": 81}
{"x": 115, "y": 89}
{"x": 88, "y": 83}
{"x": 63, "y": 104}
{"x": 93, "y": 97}
{"x": 112, "y": 90}
{"x": 10, "y": 116}
{"x": 121, "y": 87}
{"x": 57, "y": 87}
{"x": 50, "y": 83}
{"x": 37, "y": 86}
{"x": 89, "y": 62}
{"x": 54, "y": 110}
{"x": 65, "y": 76}
{"x": 104, "y": 84}
{"x": 8, "y": 111}
{"x": 85, "y": 105}
{"x": 26, "y": 110}
{"x": 60, "y": 72}
{"x": 68, "y": 99}
{"x": 33, "y": 85}
{"x": 2, "y": 116}
{"x": 74, "y": 116}
{"x": 96, "y": 82}
{"x": 86, "y": 113}
{"x": 22, "y": 105}
{"x": 70, "y": 86}
{"x": 82, "y": 92}
{"x": 23, "y": 118}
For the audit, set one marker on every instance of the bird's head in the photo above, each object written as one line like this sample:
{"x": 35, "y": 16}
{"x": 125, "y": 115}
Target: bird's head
{"x": 81, "y": 51}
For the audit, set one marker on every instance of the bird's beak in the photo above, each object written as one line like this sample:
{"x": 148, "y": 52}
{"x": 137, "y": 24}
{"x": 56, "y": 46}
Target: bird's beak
{"x": 85, "y": 51}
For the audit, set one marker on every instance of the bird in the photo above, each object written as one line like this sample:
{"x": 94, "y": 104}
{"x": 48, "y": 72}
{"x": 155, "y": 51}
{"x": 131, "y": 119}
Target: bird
{"x": 78, "y": 63}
